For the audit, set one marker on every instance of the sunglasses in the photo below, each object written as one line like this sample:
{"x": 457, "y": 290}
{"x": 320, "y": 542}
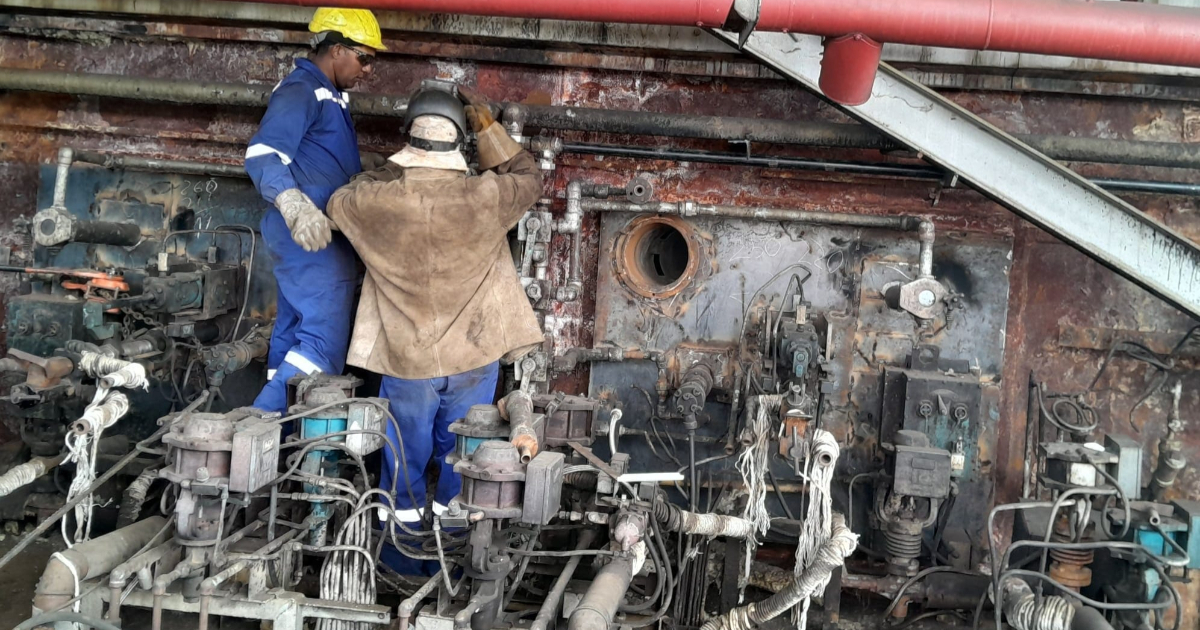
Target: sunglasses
{"x": 364, "y": 59}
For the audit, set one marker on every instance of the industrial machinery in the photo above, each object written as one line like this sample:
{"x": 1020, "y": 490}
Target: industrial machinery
{"x": 158, "y": 272}
{"x": 781, "y": 417}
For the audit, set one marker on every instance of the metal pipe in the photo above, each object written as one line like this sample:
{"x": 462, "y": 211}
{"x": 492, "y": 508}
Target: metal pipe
{"x": 209, "y": 586}
{"x": 518, "y": 406}
{"x": 405, "y": 610}
{"x": 637, "y": 123}
{"x": 90, "y": 559}
{"x": 1120, "y": 31}
{"x": 119, "y": 577}
{"x": 614, "y": 420}
{"x": 65, "y": 157}
{"x": 133, "y": 163}
{"x": 598, "y": 606}
{"x": 1032, "y": 435}
{"x": 690, "y": 209}
{"x": 554, "y": 597}
{"x": 574, "y": 286}
{"x": 856, "y": 168}
{"x": 195, "y": 561}
{"x": 925, "y": 233}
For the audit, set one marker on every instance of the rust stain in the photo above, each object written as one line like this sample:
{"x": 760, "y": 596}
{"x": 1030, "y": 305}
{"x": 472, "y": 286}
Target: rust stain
{"x": 1064, "y": 310}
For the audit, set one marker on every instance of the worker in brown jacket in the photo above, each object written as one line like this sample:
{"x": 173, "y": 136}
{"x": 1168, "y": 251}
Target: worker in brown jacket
{"x": 441, "y": 303}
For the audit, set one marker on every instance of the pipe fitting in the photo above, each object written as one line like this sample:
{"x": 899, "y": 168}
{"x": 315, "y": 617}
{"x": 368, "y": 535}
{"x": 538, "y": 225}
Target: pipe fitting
{"x": 925, "y": 234}
{"x": 66, "y": 156}
{"x": 573, "y": 219}
{"x": 518, "y": 407}
{"x": 514, "y": 117}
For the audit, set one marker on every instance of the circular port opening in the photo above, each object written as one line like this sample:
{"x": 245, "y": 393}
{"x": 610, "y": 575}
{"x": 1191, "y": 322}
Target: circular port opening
{"x": 48, "y": 226}
{"x": 656, "y": 256}
{"x": 663, "y": 255}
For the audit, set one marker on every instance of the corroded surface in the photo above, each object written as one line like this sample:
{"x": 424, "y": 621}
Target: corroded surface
{"x": 1063, "y": 308}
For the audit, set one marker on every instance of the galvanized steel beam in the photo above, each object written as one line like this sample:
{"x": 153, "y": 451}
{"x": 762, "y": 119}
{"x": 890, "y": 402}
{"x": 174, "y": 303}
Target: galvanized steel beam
{"x": 1027, "y": 182}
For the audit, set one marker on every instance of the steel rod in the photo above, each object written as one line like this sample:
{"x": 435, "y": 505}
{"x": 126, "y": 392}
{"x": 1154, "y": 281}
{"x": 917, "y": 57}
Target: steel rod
{"x": 733, "y": 129}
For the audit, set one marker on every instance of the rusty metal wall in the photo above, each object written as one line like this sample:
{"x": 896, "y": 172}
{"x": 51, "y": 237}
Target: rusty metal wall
{"x": 1062, "y": 312}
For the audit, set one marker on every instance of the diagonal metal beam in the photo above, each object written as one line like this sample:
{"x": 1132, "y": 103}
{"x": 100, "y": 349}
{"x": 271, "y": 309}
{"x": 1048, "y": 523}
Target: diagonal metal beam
{"x": 1015, "y": 175}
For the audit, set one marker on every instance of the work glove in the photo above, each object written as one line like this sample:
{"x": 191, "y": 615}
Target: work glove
{"x": 310, "y": 228}
{"x": 371, "y": 160}
{"x": 478, "y": 110}
{"x": 495, "y": 146}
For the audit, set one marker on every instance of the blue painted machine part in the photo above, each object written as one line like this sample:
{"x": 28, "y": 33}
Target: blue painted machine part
{"x": 465, "y": 445}
{"x": 321, "y": 462}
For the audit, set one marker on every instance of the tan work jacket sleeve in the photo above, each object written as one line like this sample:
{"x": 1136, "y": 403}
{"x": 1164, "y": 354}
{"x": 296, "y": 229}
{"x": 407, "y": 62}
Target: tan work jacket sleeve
{"x": 519, "y": 180}
{"x": 343, "y": 205}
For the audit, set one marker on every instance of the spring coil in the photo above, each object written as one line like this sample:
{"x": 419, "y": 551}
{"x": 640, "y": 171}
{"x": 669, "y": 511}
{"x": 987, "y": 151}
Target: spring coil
{"x": 902, "y": 546}
{"x": 1076, "y": 557}
{"x": 1055, "y": 613}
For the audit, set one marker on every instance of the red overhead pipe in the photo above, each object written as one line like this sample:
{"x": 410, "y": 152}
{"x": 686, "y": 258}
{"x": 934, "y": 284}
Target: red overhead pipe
{"x": 708, "y": 13}
{"x": 1120, "y": 31}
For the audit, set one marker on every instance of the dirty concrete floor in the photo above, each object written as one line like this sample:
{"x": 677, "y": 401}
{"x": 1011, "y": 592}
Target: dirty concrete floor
{"x": 18, "y": 579}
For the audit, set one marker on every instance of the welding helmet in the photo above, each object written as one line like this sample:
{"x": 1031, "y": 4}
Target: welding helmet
{"x": 356, "y": 25}
{"x": 436, "y": 101}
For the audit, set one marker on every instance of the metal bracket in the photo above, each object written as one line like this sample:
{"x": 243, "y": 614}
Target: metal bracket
{"x": 748, "y": 11}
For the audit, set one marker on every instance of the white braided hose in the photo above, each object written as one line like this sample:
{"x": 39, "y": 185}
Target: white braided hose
{"x": 818, "y": 521}
{"x": 752, "y": 464}
{"x": 831, "y": 555}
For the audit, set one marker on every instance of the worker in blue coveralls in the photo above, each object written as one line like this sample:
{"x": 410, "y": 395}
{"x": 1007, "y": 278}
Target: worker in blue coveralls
{"x": 306, "y": 148}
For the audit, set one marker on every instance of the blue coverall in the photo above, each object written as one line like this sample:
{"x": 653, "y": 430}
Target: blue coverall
{"x": 424, "y": 409}
{"x": 306, "y": 140}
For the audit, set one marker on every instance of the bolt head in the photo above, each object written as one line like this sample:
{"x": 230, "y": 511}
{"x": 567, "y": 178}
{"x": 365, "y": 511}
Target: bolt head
{"x": 921, "y": 297}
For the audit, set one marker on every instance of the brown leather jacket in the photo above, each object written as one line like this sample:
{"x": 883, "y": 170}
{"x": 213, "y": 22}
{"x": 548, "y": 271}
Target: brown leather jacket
{"x": 441, "y": 295}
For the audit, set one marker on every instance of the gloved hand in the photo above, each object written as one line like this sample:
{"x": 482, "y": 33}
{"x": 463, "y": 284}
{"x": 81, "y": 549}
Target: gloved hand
{"x": 479, "y": 112}
{"x": 310, "y": 228}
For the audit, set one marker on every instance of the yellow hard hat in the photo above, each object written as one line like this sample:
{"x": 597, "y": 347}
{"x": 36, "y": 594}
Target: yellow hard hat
{"x": 356, "y": 24}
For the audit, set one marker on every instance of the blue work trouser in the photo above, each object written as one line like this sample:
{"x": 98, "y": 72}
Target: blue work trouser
{"x": 424, "y": 409}
{"x": 315, "y": 302}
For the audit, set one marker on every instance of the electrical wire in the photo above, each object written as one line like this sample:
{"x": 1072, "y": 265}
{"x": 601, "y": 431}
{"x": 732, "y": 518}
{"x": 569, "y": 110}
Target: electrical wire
{"x": 1087, "y": 419}
{"x": 778, "y": 494}
{"x": 669, "y": 588}
{"x": 562, "y": 554}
